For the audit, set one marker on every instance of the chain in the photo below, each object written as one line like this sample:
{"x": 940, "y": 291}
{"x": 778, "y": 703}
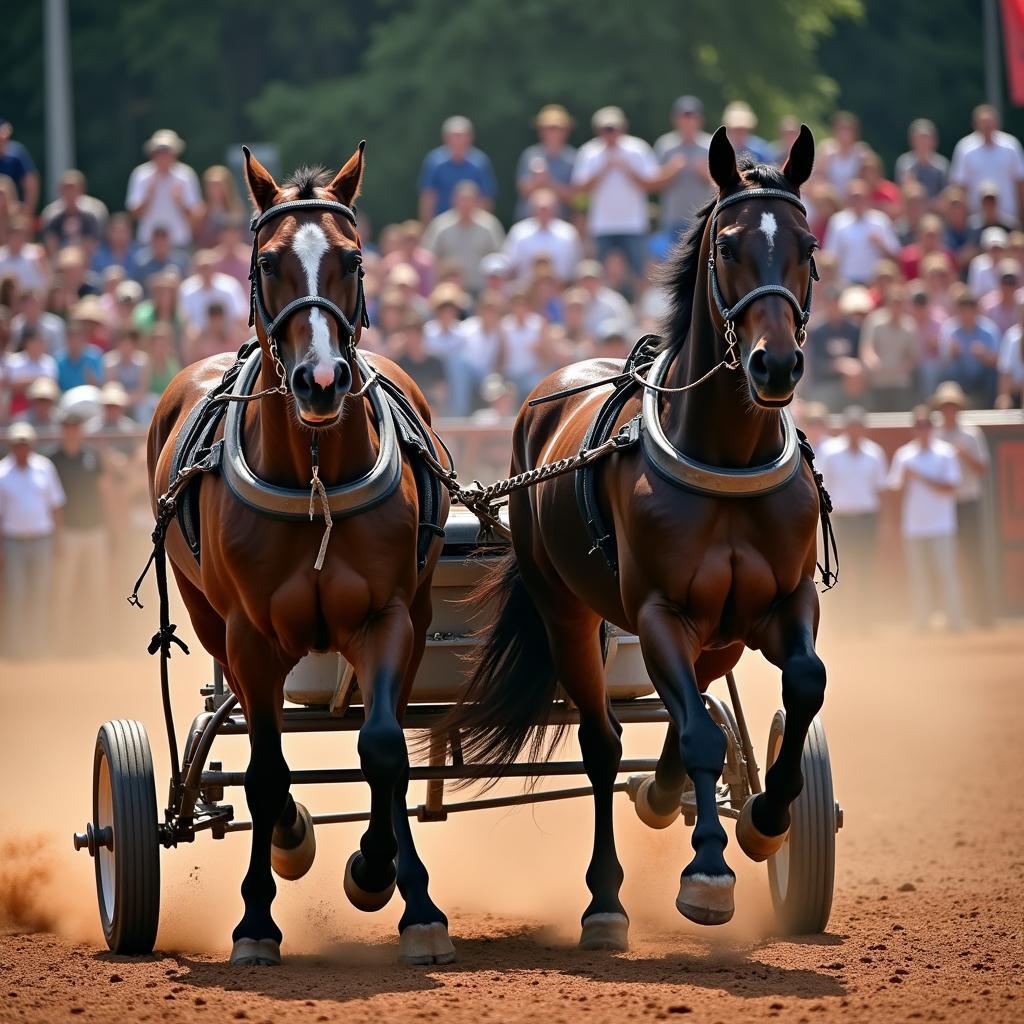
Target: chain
{"x": 730, "y": 362}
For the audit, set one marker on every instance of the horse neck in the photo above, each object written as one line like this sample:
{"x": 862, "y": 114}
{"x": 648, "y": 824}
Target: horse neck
{"x": 279, "y": 448}
{"x": 716, "y": 422}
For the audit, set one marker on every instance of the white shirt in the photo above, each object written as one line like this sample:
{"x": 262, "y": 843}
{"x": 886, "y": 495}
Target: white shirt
{"x": 981, "y": 274}
{"x": 608, "y": 307}
{"x": 27, "y": 266}
{"x": 853, "y": 478}
{"x": 521, "y": 343}
{"x": 28, "y": 497}
{"x": 23, "y": 370}
{"x": 162, "y": 208}
{"x": 194, "y": 299}
{"x": 481, "y": 347}
{"x": 559, "y": 241}
{"x": 1001, "y": 161}
{"x": 1011, "y": 356}
{"x": 974, "y": 440}
{"x": 926, "y": 511}
{"x": 850, "y": 238}
{"x": 618, "y": 206}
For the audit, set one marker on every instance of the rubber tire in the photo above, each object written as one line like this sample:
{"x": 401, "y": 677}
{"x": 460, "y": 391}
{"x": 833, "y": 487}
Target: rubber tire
{"x": 802, "y": 874}
{"x": 130, "y": 925}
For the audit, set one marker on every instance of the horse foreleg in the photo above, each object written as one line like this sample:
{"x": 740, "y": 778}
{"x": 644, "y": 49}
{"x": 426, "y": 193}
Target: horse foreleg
{"x": 789, "y": 645}
{"x": 260, "y": 680}
{"x": 380, "y": 657}
{"x": 707, "y": 882}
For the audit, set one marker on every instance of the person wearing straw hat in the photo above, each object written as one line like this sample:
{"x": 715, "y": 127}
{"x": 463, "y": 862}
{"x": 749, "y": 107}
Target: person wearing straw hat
{"x": 971, "y": 449}
{"x": 164, "y": 190}
{"x": 31, "y": 500}
{"x": 42, "y": 395}
{"x": 547, "y": 163}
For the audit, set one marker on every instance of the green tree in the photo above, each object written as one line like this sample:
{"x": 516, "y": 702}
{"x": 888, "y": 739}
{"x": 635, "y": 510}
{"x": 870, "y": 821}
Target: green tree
{"x": 498, "y": 63}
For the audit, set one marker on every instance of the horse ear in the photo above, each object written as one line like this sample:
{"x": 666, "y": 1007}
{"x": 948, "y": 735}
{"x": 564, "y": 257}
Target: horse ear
{"x": 722, "y": 161}
{"x": 800, "y": 162}
{"x": 262, "y": 186}
{"x": 349, "y": 180}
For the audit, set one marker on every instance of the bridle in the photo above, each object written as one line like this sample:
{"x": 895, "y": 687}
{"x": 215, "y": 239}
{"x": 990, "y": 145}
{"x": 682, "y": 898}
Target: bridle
{"x": 730, "y": 313}
{"x": 257, "y": 304}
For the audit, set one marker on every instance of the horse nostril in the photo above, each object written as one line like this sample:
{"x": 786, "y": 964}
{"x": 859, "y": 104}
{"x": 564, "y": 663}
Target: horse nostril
{"x": 798, "y": 366}
{"x": 342, "y": 376}
{"x": 757, "y": 365}
{"x": 302, "y": 381}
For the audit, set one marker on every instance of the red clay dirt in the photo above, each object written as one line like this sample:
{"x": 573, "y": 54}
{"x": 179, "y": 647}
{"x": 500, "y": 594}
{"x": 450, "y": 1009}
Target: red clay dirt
{"x": 928, "y": 923}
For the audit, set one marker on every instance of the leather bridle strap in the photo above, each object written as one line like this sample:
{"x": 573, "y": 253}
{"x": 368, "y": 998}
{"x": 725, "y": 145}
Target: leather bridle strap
{"x": 730, "y": 313}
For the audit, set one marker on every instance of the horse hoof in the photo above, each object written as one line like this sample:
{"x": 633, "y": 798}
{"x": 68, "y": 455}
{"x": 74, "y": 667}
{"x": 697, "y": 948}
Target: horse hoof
{"x": 256, "y": 953}
{"x": 754, "y": 843}
{"x": 293, "y": 863}
{"x": 360, "y": 898}
{"x": 423, "y": 944}
{"x": 606, "y": 931}
{"x": 706, "y": 899}
{"x": 645, "y": 812}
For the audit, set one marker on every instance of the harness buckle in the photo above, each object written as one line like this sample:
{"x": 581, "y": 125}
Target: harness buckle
{"x": 732, "y": 359}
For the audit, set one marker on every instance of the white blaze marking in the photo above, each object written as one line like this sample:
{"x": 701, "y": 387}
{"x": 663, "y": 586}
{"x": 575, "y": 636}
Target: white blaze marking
{"x": 310, "y": 244}
{"x": 768, "y": 229}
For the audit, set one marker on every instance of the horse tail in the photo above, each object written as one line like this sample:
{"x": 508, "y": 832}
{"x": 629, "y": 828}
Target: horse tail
{"x": 507, "y": 702}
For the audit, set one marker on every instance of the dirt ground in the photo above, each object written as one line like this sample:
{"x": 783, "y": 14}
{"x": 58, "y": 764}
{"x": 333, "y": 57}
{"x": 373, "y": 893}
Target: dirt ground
{"x": 928, "y": 922}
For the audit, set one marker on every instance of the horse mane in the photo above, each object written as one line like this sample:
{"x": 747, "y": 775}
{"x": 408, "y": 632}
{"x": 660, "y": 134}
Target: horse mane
{"x": 679, "y": 274}
{"x": 306, "y": 180}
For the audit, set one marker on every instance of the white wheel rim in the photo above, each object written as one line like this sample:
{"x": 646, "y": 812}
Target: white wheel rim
{"x": 780, "y": 859}
{"x": 104, "y": 854}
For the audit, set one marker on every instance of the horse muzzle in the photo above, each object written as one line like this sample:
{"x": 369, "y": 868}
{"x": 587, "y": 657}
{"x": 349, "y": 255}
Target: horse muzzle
{"x": 774, "y": 376}
{"x": 320, "y": 389}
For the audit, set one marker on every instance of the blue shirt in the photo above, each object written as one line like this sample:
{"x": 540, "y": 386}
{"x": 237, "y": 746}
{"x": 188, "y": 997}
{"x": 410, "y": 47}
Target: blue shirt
{"x": 441, "y": 173}
{"x": 16, "y": 163}
{"x": 966, "y": 369}
{"x": 87, "y": 369}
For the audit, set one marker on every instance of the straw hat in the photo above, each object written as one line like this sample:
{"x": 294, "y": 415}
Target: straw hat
{"x": 21, "y": 433}
{"x": 113, "y": 393}
{"x": 739, "y": 115}
{"x": 949, "y": 392}
{"x": 165, "y": 138}
{"x": 554, "y": 115}
{"x": 448, "y": 295}
{"x": 43, "y": 388}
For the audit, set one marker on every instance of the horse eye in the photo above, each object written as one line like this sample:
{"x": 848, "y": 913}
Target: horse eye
{"x": 267, "y": 265}
{"x": 812, "y": 248}
{"x": 351, "y": 261}
{"x": 725, "y": 252}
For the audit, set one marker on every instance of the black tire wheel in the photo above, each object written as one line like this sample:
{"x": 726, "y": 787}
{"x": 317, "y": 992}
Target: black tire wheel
{"x": 802, "y": 874}
{"x": 128, "y": 868}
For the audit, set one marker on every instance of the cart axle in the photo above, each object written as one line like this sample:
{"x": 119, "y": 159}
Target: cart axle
{"x": 92, "y": 839}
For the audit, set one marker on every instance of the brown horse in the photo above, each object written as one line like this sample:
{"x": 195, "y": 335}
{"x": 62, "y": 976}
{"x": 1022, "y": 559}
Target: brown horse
{"x": 715, "y": 551}
{"x": 258, "y": 602}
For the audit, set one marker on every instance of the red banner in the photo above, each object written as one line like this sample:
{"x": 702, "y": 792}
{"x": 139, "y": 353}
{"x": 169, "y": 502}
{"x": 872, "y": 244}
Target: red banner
{"x": 1013, "y": 34}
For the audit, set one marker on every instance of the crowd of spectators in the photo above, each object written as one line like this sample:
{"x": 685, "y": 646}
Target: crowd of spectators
{"x": 922, "y": 277}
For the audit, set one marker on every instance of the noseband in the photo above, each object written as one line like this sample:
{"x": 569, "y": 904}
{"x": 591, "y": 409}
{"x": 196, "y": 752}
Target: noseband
{"x": 730, "y": 313}
{"x": 272, "y": 325}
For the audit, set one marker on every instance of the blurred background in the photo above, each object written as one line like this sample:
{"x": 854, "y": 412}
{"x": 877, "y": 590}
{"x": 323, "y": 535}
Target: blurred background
{"x": 529, "y": 169}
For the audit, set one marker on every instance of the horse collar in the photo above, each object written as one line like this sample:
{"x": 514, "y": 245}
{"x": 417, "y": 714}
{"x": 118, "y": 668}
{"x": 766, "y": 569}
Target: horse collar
{"x": 346, "y": 499}
{"x": 688, "y": 473}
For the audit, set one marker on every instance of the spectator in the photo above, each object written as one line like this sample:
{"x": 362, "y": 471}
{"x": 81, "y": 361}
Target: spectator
{"x": 913, "y": 209}
{"x": 21, "y": 259}
{"x": 1010, "y": 366}
{"x": 832, "y": 351}
{"x": 854, "y": 471}
{"x": 80, "y": 362}
{"x": 75, "y": 218}
{"x": 117, "y": 248}
{"x": 234, "y": 252}
{"x": 840, "y": 157}
{"x": 9, "y": 206}
{"x": 1002, "y": 305}
{"x": 17, "y": 164}
{"x": 740, "y": 122}
{"x": 129, "y": 366}
{"x": 580, "y": 340}
{"x": 42, "y": 395}
{"x": 32, "y": 314}
{"x": 968, "y": 442}
{"x": 496, "y": 271}
{"x": 409, "y": 249}
{"x": 74, "y": 274}
{"x": 523, "y": 331}
{"x": 220, "y": 206}
{"x": 927, "y": 473}
{"x": 928, "y": 320}
{"x": 969, "y": 349}
{"x": 543, "y": 234}
{"x": 164, "y": 367}
{"x": 549, "y": 162}
{"x": 989, "y": 215}
{"x": 31, "y": 499}
{"x": 30, "y": 362}
{"x": 959, "y": 235}
{"x": 617, "y": 171}
{"x": 114, "y": 419}
{"x": 465, "y": 234}
{"x": 921, "y": 163}
{"x": 164, "y": 191}
{"x": 684, "y": 181}
{"x": 988, "y": 154}
{"x": 162, "y": 305}
{"x": 206, "y": 287}
{"x": 981, "y": 273}
{"x": 605, "y": 303}
{"x": 91, "y": 313}
{"x": 426, "y": 368}
{"x": 789, "y": 130}
{"x": 158, "y": 256}
{"x": 457, "y": 159}
{"x": 443, "y": 338}
{"x": 889, "y": 351}
{"x": 883, "y": 194}
{"x": 484, "y": 347}
{"x": 82, "y": 568}
{"x": 860, "y": 236}
{"x": 928, "y": 240}
{"x": 221, "y": 333}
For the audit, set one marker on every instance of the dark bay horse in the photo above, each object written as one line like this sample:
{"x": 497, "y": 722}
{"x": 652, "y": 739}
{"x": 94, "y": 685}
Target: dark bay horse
{"x": 256, "y": 599}
{"x": 702, "y": 571}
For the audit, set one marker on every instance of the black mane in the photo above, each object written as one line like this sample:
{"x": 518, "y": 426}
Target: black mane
{"x": 679, "y": 274}
{"x": 306, "y": 180}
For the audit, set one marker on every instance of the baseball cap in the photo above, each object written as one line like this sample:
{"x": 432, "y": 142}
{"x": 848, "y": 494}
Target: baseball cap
{"x": 21, "y": 433}
{"x": 554, "y": 115}
{"x": 988, "y": 189}
{"x": 739, "y": 115}
{"x": 608, "y": 117}
{"x": 994, "y": 236}
{"x": 165, "y": 138}
{"x": 687, "y": 105}
{"x": 456, "y": 124}
{"x": 495, "y": 264}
